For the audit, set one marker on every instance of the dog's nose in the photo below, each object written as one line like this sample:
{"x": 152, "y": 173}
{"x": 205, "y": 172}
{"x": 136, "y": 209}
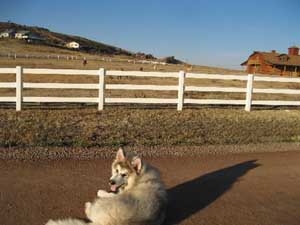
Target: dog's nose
{"x": 112, "y": 182}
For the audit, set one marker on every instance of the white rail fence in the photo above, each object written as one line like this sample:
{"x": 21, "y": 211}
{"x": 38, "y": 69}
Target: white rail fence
{"x": 181, "y": 88}
{"x": 76, "y": 57}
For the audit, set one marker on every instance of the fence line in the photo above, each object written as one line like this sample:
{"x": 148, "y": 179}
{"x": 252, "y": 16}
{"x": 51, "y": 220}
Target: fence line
{"x": 181, "y": 88}
{"x": 78, "y": 57}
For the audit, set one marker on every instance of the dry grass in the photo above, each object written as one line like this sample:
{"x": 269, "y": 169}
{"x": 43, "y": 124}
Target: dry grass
{"x": 139, "y": 127}
{"x": 19, "y": 47}
{"x": 146, "y": 127}
{"x": 115, "y": 64}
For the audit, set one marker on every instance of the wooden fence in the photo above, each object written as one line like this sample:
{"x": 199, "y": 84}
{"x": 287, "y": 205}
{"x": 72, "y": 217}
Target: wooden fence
{"x": 181, "y": 88}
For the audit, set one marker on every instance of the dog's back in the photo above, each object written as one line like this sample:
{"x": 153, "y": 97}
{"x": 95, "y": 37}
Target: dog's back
{"x": 151, "y": 195}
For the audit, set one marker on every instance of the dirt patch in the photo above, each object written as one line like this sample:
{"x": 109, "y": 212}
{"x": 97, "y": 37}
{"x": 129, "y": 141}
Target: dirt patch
{"x": 256, "y": 188}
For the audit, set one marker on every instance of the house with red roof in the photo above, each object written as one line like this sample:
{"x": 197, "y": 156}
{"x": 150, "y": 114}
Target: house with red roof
{"x": 274, "y": 63}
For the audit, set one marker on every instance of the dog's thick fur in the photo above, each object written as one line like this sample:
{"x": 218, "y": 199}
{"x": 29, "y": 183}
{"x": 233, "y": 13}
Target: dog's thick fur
{"x": 138, "y": 198}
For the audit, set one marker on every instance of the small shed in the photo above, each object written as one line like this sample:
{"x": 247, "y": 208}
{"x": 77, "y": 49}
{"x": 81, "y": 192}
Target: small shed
{"x": 73, "y": 45}
{"x": 7, "y": 33}
{"x": 23, "y": 34}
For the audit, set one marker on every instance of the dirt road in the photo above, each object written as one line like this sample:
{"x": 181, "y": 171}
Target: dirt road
{"x": 239, "y": 189}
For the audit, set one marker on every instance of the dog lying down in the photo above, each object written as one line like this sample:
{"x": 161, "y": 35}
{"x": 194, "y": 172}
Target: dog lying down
{"x": 137, "y": 197}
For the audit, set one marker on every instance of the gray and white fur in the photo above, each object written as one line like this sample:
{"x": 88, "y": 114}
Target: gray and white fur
{"x": 137, "y": 197}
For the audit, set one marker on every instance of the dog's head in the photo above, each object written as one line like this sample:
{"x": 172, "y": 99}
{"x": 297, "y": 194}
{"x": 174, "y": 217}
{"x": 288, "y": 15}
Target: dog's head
{"x": 124, "y": 172}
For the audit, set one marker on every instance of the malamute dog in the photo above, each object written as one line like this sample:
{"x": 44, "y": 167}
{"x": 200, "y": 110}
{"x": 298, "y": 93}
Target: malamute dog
{"x": 137, "y": 196}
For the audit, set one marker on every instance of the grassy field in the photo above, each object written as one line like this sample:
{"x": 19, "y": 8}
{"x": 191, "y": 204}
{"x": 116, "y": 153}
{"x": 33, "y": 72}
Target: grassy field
{"x": 116, "y": 62}
{"x": 146, "y": 127}
{"x": 139, "y": 126}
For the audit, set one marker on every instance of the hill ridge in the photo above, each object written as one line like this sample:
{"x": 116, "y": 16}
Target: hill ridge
{"x": 57, "y": 39}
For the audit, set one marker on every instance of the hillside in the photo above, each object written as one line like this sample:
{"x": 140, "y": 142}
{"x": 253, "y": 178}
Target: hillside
{"x": 59, "y": 40}
{"x": 53, "y": 45}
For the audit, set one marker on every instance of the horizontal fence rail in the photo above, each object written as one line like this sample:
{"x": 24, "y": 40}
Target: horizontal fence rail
{"x": 181, "y": 88}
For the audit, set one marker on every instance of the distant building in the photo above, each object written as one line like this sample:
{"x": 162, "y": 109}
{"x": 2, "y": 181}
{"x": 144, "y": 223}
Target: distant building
{"x": 23, "y": 34}
{"x": 274, "y": 63}
{"x": 34, "y": 38}
{"x": 30, "y": 37}
{"x": 73, "y": 45}
{"x": 7, "y": 34}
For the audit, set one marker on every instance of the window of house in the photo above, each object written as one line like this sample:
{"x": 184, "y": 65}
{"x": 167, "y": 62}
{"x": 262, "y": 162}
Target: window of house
{"x": 283, "y": 58}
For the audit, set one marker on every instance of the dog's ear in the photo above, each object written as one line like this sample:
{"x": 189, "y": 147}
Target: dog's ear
{"x": 137, "y": 164}
{"x": 120, "y": 155}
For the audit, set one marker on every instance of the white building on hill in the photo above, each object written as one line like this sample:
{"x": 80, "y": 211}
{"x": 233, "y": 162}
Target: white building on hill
{"x": 73, "y": 45}
{"x": 23, "y": 34}
{"x": 7, "y": 34}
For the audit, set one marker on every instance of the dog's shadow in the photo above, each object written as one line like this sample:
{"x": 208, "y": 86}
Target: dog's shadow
{"x": 190, "y": 197}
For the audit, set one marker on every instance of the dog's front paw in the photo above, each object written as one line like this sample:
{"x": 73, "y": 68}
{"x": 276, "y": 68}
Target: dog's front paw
{"x": 87, "y": 208}
{"x": 51, "y": 222}
{"x": 102, "y": 194}
{"x": 88, "y": 205}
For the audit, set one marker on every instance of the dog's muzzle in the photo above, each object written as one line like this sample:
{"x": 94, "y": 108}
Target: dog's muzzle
{"x": 114, "y": 187}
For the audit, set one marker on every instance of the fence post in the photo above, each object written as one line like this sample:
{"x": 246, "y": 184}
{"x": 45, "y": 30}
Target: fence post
{"x": 180, "y": 90}
{"x": 19, "y": 87}
{"x": 249, "y": 92}
{"x": 101, "y": 99}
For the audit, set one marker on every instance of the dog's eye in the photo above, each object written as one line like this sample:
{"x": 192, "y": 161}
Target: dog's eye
{"x": 117, "y": 171}
{"x": 123, "y": 174}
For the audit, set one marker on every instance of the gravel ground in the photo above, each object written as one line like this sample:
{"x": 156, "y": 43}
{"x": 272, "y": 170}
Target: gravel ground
{"x": 210, "y": 189}
{"x": 60, "y": 153}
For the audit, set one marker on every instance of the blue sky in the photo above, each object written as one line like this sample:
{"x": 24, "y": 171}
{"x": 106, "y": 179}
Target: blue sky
{"x": 205, "y": 32}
